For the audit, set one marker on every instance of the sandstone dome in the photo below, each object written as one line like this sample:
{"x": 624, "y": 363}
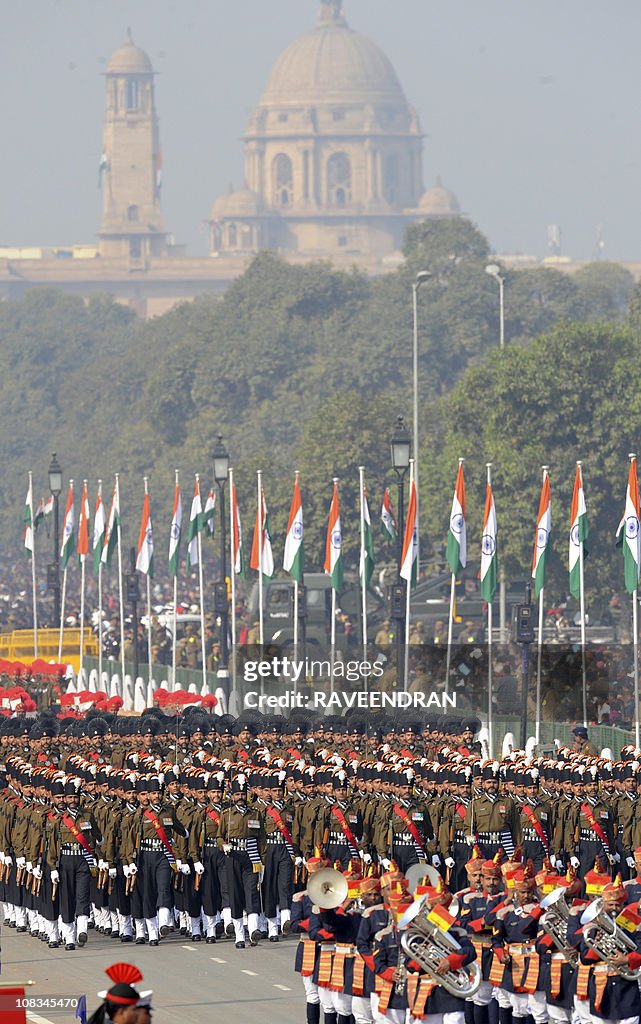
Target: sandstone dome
{"x": 129, "y": 59}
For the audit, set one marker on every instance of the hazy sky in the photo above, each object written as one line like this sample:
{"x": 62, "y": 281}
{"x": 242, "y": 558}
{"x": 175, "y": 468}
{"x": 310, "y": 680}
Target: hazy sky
{"x": 530, "y": 108}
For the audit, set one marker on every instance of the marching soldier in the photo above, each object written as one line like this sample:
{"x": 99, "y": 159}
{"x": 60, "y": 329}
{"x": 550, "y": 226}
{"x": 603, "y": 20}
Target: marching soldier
{"x": 491, "y": 819}
{"x": 241, "y": 837}
{"x": 403, "y": 833}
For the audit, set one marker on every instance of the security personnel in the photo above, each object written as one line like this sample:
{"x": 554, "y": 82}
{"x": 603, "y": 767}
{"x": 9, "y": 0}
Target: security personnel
{"x": 592, "y": 827}
{"x": 491, "y": 819}
{"x": 207, "y": 859}
{"x": 452, "y": 834}
{"x": 241, "y": 837}
{"x": 278, "y": 880}
{"x": 339, "y": 826}
{"x": 535, "y": 819}
{"x": 403, "y": 833}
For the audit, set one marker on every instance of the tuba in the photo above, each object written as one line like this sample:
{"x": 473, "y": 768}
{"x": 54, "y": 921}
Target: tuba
{"x": 555, "y": 923}
{"x": 428, "y": 944}
{"x": 606, "y": 938}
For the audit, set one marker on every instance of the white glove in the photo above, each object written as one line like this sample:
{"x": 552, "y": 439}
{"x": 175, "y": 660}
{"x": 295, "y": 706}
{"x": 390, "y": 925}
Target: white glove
{"x": 630, "y": 862}
{"x": 102, "y": 865}
{"x": 7, "y": 859}
{"x": 617, "y": 858}
{"x": 450, "y": 862}
{"x": 226, "y": 847}
{"x": 199, "y": 868}
{"x": 553, "y": 859}
{"x": 55, "y": 877}
{"x": 574, "y": 861}
{"x": 298, "y": 861}
{"x": 611, "y": 858}
{"x": 470, "y": 840}
{"x": 37, "y": 872}
{"x": 436, "y": 860}
{"x": 112, "y": 872}
{"x": 125, "y": 870}
{"x": 185, "y": 869}
{"x": 20, "y": 862}
{"x": 133, "y": 870}
{"x": 179, "y": 865}
{"x": 2, "y": 858}
{"x": 386, "y": 863}
{"x": 29, "y": 866}
{"x": 367, "y": 858}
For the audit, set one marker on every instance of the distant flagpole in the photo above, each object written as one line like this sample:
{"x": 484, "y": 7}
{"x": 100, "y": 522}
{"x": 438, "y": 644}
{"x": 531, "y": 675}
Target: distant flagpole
{"x": 629, "y": 540}
{"x": 121, "y": 597}
{"x": 30, "y": 534}
{"x": 232, "y": 575}
{"x": 174, "y": 560}
{"x": 541, "y": 541}
{"x": 97, "y": 546}
{"x": 488, "y": 589}
{"x": 333, "y": 567}
{"x": 259, "y": 528}
{"x": 457, "y": 556}
{"x": 201, "y": 586}
{"x": 67, "y": 540}
{"x": 408, "y": 588}
{"x": 363, "y": 573}
{"x": 144, "y": 562}
{"x": 83, "y": 551}
{"x": 578, "y": 536}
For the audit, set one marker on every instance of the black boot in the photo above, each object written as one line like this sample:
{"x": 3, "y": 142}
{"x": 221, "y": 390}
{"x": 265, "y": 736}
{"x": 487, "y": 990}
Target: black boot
{"x": 493, "y": 1012}
{"x": 469, "y": 1012}
{"x": 505, "y": 1015}
{"x": 344, "y": 1019}
{"x": 329, "y": 1018}
{"x": 481, "y": 1015}
{"x": 313, "y": 1013}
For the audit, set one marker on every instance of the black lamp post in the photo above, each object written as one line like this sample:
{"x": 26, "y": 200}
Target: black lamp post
{"x": 220, "y": 458}
{"x": 53, "y": 574}
{"x": 400, "y": 448}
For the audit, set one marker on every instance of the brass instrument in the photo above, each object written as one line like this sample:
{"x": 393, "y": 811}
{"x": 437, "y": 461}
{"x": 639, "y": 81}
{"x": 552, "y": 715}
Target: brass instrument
{"x": 602, "y": 934}
{"x": 555, "y": 923}
{"x": 400, "y": 978}
{"x": 327, "y": 888}
{"x": 426, "y": 943}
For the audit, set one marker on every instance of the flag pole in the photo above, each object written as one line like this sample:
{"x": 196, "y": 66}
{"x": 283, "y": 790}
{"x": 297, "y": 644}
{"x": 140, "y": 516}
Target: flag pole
{"x": 33, "y": 568}
{"x": 635, "y": 643}
{"x": 332, "y": 632}
{"x": 296, "y": 478}
{"x": 490, "y": 722}
{"x": 539, "y": 651}
{"x": 259, "y": 525}
{"x": 361, "y": 476}
{"x": 584, "y": 682}
{"x": 121, "y": 598}
{"x": 450, "y": 623}
{"x": 146, "y": 479}
{"x": 99, "y": 604}
{"x": 232, "y": 575}
{"x": 175, "y": 622}
{"x": 203, "y": 654}
{"x": 62, "y": 600}
{"x": 408, "y": 593}
{"x": 83, "y": 567}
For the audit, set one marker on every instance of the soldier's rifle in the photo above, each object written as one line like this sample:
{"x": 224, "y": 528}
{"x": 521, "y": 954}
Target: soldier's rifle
{"x": 131, "y": 880}
{"x": 202, "y": 854}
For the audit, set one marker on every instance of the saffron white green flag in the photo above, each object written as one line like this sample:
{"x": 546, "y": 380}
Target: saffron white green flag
{"x": 628, "y": 535}
{"x": 83, "y": 526}
{"x": 457, "y": 534}
{"x": 334, "y": 544}
{"x": 111, "y": 533}
{"x": 409, "y": 568}
{"x": 488, "y": 548}
{"x": 175, "y": 533}
{"x": 68, "y": 541}
{"x": 579, "y": 532}
{"x": 542, "y": 539}
{"x": 195, "y": 525}
{"x": 28, "y": 521}
{"x": 366, "y": 567}
{"x": 294, "y": 557}
{"x": 388, "y": 522}
{"x": 209, "y": 513}
{"x": 145, "y": 556}
{"x": 262, "y": 558}
{"x": 99, "y": 529}
{"x": 238, "y": 551}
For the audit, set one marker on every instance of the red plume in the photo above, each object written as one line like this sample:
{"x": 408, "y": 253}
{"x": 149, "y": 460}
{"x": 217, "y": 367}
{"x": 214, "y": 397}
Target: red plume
{"x": 126, "y": 973}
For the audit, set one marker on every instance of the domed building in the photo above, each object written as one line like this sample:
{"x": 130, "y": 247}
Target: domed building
{"x": 333, "y": 152}
{"x": 438, "y": 201}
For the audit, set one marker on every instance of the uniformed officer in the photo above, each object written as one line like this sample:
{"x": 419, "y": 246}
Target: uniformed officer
{"x": 491, "y": 819}
{"x": 241, "y": 837}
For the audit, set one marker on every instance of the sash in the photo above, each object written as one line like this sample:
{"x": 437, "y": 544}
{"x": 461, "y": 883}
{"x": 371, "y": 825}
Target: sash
{"x": 346, "y": 830}
{"x": 282, "y": 828}
{"x": 213, "y": 816}
{"x": 309, "y": 958}
{"x": 460, "y": 810}
{"x": 413, "y": 831}
{"x": 162, "y": 835}
{"x": 586, "y": 810}
{"x": 536, "y": 825}
{"x": 87, "y": 852}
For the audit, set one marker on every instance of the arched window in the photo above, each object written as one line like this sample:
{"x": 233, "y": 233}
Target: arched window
{"x": 132, "y": 213}
{"x": 132, "y": 94}
{"x": 232, "y": 235}
{"x": 283, "y": 180}
{"x": 391, "y": 179}
{"x": 339, "y": 180}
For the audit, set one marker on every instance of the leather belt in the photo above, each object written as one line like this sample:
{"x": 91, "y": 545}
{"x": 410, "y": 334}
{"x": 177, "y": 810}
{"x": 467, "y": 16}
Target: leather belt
{"x": 151, "y": 844}
{"x": 71, "y": 848}
{"x": 489, "y": 837}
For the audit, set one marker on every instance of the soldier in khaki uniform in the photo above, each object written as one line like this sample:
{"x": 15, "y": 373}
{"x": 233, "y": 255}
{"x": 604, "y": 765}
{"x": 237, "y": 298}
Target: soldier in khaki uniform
{"x": 590, "y": 831}
{"x": 491, "y": 820}
{"x": 73, "y": 861}
{"x": 403, "y": 833}
{"x": 241, "y": 837}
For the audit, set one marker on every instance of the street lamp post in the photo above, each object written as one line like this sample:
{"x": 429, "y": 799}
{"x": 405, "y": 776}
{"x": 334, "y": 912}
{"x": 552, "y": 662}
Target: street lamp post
{"x": 421, "y": 278}
{"x": 55, "y": 486}
{"x": 220, "y": 458}
{"x": 400, "y": 447}
{"x": 495, "y": 271}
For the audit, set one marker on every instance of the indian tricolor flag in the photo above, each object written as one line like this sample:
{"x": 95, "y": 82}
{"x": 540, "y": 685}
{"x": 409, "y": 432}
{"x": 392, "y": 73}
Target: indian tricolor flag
{"x": 28, "y": 520}
{"x": 99, "y": 529}
{"x": 262, "y": 558}
{"x": 333, "y": 565}
{"x": 628, "y": 537}
{"x": 457, "y": 535}
{"x": 488, "y": 548}
{"x": 195, "y": 522}
{"x": 366, "y": 567}
{"x": 237, "y": 551}
{"x": 111, "y": 533}
{"x": 294, "y": 557}
{"x": 578, "y": 533}
{"x": 145, "y": 556}
{"x": 542, "y": 539}
{"x": 175, "y": 532}
{"x": 410, "y": 540}
{"x": 68, "y": 545}
{"x": 388, "y": 522}
{"x": 83, "y": 526}
{"x": 209, "y": 513}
